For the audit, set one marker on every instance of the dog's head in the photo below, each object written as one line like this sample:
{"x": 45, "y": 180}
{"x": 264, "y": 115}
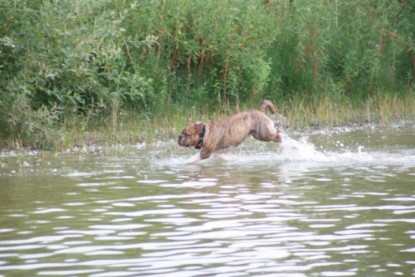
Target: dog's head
{"x": 192, "y": 135}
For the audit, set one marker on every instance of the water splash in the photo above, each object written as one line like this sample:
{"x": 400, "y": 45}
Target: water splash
{"x": 302, "y": 150}
{"x": 291, "y": 150}
{"x": 280, "y": 121}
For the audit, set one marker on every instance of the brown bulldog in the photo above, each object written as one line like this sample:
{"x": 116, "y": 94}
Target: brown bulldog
{"x": 231, "y": 131}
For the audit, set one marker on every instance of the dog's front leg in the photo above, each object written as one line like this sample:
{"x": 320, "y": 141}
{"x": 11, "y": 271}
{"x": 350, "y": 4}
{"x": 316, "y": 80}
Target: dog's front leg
{"x": 205, "y": 153}
{"x": 198, "y": 157}
{"x": 194, "y": 159}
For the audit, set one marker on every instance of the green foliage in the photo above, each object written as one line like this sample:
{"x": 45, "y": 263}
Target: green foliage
{"x": 68, "y": 59}
{"x": 353, "y": 45}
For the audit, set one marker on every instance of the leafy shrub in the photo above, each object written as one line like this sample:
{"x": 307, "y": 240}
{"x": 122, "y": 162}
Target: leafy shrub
{"x": 88, "y": 59}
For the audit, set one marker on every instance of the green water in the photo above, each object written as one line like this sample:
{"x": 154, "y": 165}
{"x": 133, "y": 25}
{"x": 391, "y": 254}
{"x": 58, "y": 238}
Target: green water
{"x": 341, "y": 203}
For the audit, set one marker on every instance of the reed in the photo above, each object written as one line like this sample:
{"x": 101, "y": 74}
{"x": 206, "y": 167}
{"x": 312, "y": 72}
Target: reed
{"x": 390, "y": 107}
{"x": 328, "y": 112}
{"x": 134, "y": 127}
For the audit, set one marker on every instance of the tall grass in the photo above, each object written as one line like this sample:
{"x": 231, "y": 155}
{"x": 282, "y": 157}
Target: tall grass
{"x": 381, "y": 108}
{"x": 71, "y": 67}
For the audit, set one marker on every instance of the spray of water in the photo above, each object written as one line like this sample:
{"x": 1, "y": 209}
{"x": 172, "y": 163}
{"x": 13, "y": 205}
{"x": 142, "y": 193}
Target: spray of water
{"x": 301, "y": 150}
{"x": 292, "y": 150}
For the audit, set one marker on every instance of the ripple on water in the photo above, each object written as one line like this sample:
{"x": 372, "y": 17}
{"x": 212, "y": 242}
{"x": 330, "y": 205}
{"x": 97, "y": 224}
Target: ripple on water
{"x": 190, "y": 184}
{"x": 253, "y": 211}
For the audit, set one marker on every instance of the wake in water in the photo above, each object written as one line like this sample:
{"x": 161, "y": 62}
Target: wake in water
{"x": 302, "y": 150}
{"x": 293, "y": 150}
{"x": 290, "y": 150}
{"x": 348, "y": 151}
{"x": 385, "y": 146}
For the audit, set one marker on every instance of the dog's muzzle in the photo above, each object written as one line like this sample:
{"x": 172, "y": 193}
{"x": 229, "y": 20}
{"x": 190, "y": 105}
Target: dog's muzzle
{"x": 180, "y": 140}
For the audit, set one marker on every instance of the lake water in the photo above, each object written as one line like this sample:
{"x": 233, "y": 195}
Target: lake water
{"x": 337, "y": 202}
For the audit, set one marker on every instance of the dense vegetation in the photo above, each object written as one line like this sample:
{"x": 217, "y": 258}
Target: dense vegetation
{"x": 70, "y": 65}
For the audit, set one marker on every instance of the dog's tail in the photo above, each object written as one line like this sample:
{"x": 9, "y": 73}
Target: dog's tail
{"x": 267, "y": 104}
{"x": 279, "y": 119}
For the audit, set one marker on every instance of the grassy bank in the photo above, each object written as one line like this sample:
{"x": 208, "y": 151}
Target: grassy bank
{"x": 130, "y": 127}
{"x": 301, "y": 114}
{"x": 381, "y": 109}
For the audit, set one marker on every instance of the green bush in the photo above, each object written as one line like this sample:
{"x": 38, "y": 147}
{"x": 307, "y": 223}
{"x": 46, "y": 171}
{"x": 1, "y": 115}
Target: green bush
{"x": 93, "y": 59}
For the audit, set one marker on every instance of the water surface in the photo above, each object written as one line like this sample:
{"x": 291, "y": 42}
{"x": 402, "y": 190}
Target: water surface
{"x": 332, "y": 203}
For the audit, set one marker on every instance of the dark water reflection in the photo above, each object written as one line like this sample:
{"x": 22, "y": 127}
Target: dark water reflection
{"x": 347, "y": 209}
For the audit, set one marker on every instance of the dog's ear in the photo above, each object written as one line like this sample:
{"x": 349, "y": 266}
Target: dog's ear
{"x": 198, "y": 127}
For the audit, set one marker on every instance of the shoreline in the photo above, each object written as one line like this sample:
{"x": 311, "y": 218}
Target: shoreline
{"x": 91, "y": 141}
{"x": 132, "y": 127}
